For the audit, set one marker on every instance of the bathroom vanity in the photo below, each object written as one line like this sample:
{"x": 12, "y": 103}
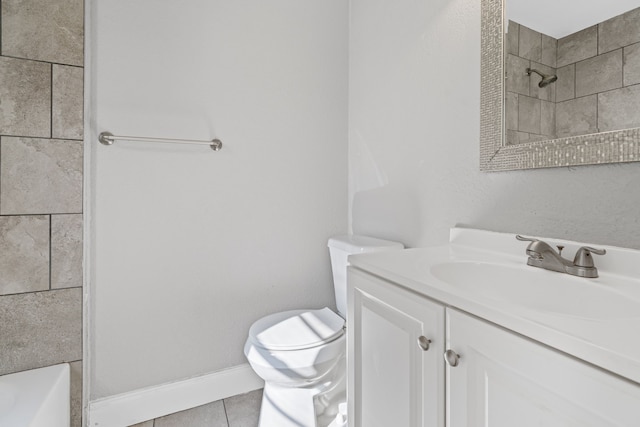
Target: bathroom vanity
{"x": 468, "y": 335}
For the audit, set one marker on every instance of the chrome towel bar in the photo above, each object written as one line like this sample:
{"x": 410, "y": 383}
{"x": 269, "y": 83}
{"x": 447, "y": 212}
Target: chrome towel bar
{"x": 107, "y": 138}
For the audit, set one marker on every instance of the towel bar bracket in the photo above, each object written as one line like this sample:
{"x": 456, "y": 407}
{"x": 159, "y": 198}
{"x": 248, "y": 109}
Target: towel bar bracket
{"x": 106, "y": 138}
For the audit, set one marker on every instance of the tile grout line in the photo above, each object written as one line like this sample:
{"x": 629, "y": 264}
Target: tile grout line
{"x": 42, "y": 61}
{"x": 50, "y": 251}
{"x": 41, "y": 291}
{"x": 226, "y": 416}
{"x": 41, "y": 214}
{"x": 1, "y": 137}
{"x": 42, "y": 137}
{"x": 51, "y": 104}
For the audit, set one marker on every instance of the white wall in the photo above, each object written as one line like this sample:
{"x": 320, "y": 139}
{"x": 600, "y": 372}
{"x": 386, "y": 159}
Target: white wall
{"x": 189, "y": 247}
{"x": 414, "y": 104}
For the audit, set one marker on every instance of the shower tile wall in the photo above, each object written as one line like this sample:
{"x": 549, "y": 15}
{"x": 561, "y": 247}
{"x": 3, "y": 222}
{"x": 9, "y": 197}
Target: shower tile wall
{"x": 598, "y": 86}
{"x": 41, "y": 126}
{"x": 530, "y": 110}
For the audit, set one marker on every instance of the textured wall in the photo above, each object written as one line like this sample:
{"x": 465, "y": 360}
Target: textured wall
{"x": 414, "y": 140}
{"x": 41, "y": 93}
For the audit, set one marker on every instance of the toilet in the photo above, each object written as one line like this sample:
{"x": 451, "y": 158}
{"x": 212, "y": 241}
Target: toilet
{"x": 300, "y": 354}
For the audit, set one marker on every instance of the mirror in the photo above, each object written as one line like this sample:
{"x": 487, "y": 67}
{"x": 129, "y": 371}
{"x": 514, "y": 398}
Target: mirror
{"x": 559, "y": 94}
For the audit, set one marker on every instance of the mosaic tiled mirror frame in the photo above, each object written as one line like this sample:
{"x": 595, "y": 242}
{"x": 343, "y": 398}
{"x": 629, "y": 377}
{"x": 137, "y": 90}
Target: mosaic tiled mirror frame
{"x": 606, "y": 147}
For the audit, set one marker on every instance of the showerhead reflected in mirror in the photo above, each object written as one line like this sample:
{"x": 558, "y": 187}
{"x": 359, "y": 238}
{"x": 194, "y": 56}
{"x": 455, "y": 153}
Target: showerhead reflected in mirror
{"x": 547, "y": 79}
{"x": 599, "y": 87}
{"x": 568, "y": 98}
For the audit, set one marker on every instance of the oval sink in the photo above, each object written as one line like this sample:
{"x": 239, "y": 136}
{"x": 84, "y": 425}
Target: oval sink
{"x": 537, "y": 289}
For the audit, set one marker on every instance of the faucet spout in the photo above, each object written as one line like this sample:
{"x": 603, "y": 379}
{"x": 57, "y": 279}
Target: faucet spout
{"x": 542, "y": 255}
{"x": 549, "y": 260}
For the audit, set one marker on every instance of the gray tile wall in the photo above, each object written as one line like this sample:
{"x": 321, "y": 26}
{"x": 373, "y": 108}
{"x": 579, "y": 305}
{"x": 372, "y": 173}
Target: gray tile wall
{"x": 598, "y": 86}
{"x": 41, "y": 127}
{"x": 530, "y": 110}
{"x": 237, "y": 411}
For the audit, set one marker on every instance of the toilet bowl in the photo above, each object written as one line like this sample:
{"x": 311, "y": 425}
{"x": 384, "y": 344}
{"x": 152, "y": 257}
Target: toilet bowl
{"x": 300, "y": 354}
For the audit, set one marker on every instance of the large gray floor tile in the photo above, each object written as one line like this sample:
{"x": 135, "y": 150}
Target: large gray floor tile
{"x": 24, "y": 254}
{"x": 210, "y": 415}
{"x": 244, "y": 410}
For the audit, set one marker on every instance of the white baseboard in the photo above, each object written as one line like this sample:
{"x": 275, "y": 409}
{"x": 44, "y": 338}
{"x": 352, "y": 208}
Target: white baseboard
{"x": 152, "y": 402}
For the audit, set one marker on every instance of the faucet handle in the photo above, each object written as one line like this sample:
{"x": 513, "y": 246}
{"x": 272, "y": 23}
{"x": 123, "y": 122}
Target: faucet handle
{"x": 536, "y": 248}
{"x": 594, "y": 250}
{"x": 583, "y": 256}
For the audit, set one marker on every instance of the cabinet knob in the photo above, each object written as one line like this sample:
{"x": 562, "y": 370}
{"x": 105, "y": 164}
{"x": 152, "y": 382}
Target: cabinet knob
{"x": 452, "y": 358}
{"x": 423, "y": 343}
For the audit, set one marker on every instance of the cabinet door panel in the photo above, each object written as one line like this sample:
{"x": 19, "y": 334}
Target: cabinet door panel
{"x": 505, "y": 380}
{"x": 392, "y": 380}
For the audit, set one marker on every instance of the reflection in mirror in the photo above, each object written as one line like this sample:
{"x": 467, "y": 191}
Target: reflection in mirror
{"x": 585, "y": 82}
{"x": 570, "y": 94}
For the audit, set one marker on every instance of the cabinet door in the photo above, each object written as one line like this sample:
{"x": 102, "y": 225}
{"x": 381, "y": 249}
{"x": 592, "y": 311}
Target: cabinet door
{"x": 392, "y": 380}
{"x": 505, "y": 380}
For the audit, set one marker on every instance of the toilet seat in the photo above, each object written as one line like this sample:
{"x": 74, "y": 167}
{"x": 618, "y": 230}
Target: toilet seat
{"x": 296, "y": 329}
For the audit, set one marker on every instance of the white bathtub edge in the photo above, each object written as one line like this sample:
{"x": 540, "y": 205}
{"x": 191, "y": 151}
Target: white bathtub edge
{"x": 152, "y": 402}
{"x": 40, "y": 397}
{"x": 59, "y": 396}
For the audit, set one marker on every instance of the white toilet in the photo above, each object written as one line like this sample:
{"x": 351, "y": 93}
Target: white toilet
{"x": 300, "y": 354}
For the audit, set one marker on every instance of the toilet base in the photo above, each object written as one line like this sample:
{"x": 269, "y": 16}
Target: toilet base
{"x": 314, "y": 406}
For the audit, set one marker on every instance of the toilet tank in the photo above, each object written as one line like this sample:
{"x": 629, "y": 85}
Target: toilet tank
{"x": 340, "y": 247}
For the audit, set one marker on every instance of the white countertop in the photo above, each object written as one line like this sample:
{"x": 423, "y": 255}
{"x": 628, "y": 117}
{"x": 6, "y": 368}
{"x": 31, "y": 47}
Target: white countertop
{"x": 609, "y": 343}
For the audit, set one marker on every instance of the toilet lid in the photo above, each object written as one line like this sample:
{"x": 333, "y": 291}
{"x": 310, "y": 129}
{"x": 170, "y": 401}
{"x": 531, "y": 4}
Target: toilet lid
{"x": 297, "y": 329}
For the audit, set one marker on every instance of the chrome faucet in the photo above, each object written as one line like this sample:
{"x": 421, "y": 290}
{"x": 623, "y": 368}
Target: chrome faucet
{"x": 542, "y": 255}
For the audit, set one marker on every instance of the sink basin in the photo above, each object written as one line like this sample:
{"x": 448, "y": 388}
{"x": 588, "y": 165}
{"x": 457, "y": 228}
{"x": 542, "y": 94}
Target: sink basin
{"x": 538, "y": 289}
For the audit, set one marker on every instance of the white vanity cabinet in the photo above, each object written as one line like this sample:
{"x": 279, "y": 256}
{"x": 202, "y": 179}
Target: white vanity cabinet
{"x": 395, "y": 346}
{"x": 501, "y": 379}
{"x": 505, "y": 380}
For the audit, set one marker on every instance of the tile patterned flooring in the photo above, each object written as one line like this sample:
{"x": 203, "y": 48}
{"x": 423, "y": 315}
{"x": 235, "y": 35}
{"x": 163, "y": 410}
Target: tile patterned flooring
{"x": 236, "y": 411}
